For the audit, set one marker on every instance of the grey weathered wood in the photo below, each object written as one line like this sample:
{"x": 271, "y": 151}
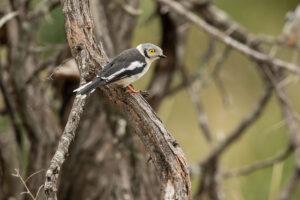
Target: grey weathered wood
{"x": 164, "y": 150}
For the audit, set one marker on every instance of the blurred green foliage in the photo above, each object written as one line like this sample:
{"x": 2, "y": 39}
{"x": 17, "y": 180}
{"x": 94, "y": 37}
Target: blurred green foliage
{"x": 265, "y": 138}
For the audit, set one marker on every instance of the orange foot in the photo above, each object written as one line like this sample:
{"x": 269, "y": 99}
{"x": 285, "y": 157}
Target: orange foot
{"x": 291, "y": 43}
{"x": 131, "y": 89}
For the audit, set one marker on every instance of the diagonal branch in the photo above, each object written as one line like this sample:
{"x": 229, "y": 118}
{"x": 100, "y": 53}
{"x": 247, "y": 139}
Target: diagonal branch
{"x": 294, "y": 132}
{"x": 62, "y": 151}
{"x": 164, "y": 150}
{"x": 11, "y": 111}
{"x": 227, "y": 40}
{"x": 216, "y": 76}
{"x": 219, "y": 19}
{"x": 259, "y": 164}
{"x": 285, "y": 194}
{"x": 202, "y": 119}
{"x": 243, "y": 125}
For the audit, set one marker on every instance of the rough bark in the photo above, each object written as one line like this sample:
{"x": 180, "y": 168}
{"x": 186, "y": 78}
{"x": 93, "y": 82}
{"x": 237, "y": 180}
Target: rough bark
{"x": 122, "y": 157}
{"x": 163, "y": 148}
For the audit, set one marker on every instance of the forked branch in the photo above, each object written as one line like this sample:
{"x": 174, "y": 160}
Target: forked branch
{"x": 167, "y": 156}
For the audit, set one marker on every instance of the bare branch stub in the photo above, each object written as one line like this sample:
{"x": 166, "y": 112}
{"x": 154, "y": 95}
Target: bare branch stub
{"x": 166, "y": 154}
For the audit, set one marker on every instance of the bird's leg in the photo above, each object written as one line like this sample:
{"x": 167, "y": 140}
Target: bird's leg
{"x": 131, "y": 89}
{"x": 291, "y": 42}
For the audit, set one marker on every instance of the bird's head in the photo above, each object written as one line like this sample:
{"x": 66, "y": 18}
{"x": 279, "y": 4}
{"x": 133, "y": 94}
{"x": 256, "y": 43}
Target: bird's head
{"x": 150, "y": 51}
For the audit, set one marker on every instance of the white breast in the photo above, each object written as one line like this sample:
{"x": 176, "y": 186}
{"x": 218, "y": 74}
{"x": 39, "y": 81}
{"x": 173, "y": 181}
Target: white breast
{"x": 126, "y": 81}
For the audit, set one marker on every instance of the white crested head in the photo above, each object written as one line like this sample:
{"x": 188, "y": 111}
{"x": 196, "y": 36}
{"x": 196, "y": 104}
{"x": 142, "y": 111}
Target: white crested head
{"x": 150, "y": 51}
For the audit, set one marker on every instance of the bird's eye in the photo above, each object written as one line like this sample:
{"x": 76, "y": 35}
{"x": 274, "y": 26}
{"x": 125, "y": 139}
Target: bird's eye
{"x": 151, "y": 51}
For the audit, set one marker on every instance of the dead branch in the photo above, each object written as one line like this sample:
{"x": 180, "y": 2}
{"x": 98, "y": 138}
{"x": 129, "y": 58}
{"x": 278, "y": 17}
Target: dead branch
{"x": 292, "y": 125}
{"x": 216, "y": 76}
{"x": 243, "y": 125}
{"x": 163, "y": 148}
{"x": 212, "y": 14}
{"x": 62, "y": 151}
{"x": 290, "y": 186}
{"x": 42, "y": 66}
{"x": 208, "y": 54}
{"x": 267, "y": 39}
{"x": 259, "y": 164}
{"x": 227, "y": 40}
{"x": 18, "y": 175}
{"x": 11, "y": 111}
{"x": 202, "y": 119}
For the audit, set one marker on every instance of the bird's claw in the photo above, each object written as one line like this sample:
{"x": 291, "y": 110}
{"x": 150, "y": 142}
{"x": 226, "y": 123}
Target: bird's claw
{"x": 132, "y": 90}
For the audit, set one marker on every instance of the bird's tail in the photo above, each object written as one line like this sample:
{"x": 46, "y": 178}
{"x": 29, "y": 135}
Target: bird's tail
{"x": 89, "y": 87}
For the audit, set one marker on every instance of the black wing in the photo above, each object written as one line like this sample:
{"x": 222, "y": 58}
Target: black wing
{"x": 120, "y": 63}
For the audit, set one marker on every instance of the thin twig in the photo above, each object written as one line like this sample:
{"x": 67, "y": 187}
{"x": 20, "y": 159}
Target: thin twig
{"x": 29, "y": 177}
{"x": 12, "y": 113}
{"x": 202, "y": 119}
{"x": 243, "y": 125}
{"x": 290, "y": 118}
{"x": 259, "y": 164}
{"x": 271, "y": 40}
{"x": 216, "y": 76}
{"x": 129, "y": 8}
{"x": 180, "y": 86}
{"x": 44, "y": 65}
{"x": 17, "y": 174}
{"x": 38, "y": 191}
{"x": 208, "y": 54}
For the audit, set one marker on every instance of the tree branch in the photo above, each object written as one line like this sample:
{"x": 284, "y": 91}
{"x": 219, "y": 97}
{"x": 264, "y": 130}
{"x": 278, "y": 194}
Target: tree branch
{"x": 11, "y": 111}
{"x": 202, "y": 119}
{"x": 165, "y": 152}
{"x": 62, "y": 151}
{"x": 260, "y": 164}
{"x": 243, "y": 125}
{"x": 285, "y": 194}
{"x": 224, "y": 38}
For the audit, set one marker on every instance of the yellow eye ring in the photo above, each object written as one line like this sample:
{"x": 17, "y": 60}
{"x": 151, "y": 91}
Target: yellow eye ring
{"x": 151, "y": 51}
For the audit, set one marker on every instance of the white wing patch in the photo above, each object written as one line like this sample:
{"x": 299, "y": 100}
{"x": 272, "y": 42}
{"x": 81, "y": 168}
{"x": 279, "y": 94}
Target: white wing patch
{"x": 134, "y": 65}
{"x": 82, "y": 87}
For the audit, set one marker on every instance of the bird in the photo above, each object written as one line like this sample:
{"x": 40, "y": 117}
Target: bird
{"x": 129, "y": 66}
{"x": 291, "y": 28}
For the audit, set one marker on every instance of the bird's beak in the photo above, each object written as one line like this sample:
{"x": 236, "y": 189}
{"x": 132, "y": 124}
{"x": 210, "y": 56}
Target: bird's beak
{"x": 162, "y": 56}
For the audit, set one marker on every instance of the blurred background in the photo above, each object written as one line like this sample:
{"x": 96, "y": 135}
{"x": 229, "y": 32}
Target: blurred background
{"x": 224, "y": 108}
